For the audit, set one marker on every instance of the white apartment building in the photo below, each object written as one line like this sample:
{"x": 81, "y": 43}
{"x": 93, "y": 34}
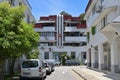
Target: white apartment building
{"x": 61, "y": 34}
{"x": 103, "y": 34}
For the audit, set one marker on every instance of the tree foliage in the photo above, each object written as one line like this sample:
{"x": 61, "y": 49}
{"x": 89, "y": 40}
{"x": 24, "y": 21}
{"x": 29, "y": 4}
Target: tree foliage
{"x": 64, "y": 13}
{"x": 33, "y": 54}
{"x": 63, "y": 58}
{"x": 16, "y": 36}
{"x": 82, "y": 16}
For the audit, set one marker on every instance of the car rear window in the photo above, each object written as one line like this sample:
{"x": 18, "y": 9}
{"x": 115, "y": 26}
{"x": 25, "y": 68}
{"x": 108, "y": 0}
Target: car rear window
{"x": 30, "y": 64}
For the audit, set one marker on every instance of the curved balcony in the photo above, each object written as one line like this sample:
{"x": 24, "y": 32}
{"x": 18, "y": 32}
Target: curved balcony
{"x": 75, "y": 39}
{"x": 98, "y": 16}
{"x": 73, "y": 29}
{"x": 45, "y": 29}
{"x": 47, "y": 39}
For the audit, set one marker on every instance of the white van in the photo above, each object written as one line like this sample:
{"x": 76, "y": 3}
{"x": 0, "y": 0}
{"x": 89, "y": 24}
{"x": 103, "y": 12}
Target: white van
{"x": 32, "y": 68}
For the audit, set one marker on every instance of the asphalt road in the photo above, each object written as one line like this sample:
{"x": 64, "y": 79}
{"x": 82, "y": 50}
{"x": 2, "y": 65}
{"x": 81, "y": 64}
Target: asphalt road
{"x": 63, "y": 73}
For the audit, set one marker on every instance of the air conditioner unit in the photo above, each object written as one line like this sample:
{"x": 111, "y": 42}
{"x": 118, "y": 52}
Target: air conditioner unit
{"x": 98, "y": 8}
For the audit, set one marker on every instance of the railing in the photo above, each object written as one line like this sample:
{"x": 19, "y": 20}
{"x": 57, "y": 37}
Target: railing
{"x": 75, "y": 39}
{"x": 47, "y": 39}
{"x": 71, "y": 28}
{"x": 45, "y": 29}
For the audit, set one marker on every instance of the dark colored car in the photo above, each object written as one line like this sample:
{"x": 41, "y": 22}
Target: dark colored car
{"x": 52, "y": 66}
{"x": 48, "y": 68}
{"x": 51, "y": 63}
{"x": 72, "y": 62}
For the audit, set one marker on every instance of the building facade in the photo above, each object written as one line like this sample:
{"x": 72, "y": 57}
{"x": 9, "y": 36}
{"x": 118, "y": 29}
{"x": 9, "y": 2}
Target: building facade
{"x": 61, "y": 34}
{"x": 103, "y": 34}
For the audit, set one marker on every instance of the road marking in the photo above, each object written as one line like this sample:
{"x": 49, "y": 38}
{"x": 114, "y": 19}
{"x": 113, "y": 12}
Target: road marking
{"x": 63, "y": 72}
{"x": 76, "y": 76}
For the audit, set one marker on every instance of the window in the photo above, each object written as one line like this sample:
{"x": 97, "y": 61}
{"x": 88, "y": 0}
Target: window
{"x": 84, "y": 56}
{"x": 28, "y": 19}
{"x": 30, "y": 64}
{"x": 83, "y": 43}
{"x": 12, "y": 2}
{"x": 88, "y": 36}
{"x": 48, "y": 24}
{"x": 93, "y": 30}
{"x": 104, "y": 21}
{"x": 94, "y": 10}
{"x": 102, "y": 1}
{"x": 46, "y": 55}
{"x": 20, "y": 3}
{"x": 50, "y": 44}
{"x": 73, "y": 55}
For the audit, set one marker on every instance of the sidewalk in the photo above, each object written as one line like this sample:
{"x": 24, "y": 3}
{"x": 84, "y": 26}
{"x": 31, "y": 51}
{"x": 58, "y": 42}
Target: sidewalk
{"x": 89, "y": 74}
{"x": 15, "y": 78}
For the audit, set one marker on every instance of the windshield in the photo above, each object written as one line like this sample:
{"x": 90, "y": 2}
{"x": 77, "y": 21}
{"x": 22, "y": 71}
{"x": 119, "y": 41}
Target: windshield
{"x": 30, "y": 64}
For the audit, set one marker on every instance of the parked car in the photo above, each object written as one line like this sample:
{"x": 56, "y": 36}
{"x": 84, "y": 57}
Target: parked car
{"x": 52, "y": 66}
{"x": 48, "y": 67}
{"x": 57, "y": 63}
{"x": 32, "y": 68}
{"x": 51, "y": 62}
{"x": 72, "y": 62}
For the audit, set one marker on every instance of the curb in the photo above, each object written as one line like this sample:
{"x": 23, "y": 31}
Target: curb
{"x": 15, "y": 78}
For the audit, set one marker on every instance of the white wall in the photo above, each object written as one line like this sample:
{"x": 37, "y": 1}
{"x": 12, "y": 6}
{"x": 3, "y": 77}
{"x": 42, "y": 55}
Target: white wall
{"x": 111, "y": 16}
{"x": 119, "y": 52}
{"x": 68, "y": 49}
{"x": 91, "y": 18}
{"x": 99, "y": 37}
{"x": 107, "y": 3}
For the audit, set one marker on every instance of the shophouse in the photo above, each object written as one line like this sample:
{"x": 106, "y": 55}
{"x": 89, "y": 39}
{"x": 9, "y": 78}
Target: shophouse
{"x": 103, "y": 34}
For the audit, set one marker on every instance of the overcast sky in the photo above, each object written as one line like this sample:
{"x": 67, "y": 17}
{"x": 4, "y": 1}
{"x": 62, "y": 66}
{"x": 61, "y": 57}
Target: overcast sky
{"x": 54, "y": 7}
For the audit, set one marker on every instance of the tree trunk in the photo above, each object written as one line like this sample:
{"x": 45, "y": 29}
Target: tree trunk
{"x": 2, "y": 71}
{"x": 12, "y": 66}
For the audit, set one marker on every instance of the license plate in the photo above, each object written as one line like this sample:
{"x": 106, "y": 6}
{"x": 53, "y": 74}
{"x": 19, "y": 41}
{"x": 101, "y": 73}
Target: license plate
{"x": 26, "y": 73}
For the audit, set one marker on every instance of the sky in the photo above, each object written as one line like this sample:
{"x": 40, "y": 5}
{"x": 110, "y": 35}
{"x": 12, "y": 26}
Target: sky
{"x": 54, "y": 7}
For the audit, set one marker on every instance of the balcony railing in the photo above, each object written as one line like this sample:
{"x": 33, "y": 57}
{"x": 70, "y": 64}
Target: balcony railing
{"x": 75, "y": 39}
{"x": 47, "y": 39}
{"x": 45, "y": 29}
{"x": 72, "y": 28}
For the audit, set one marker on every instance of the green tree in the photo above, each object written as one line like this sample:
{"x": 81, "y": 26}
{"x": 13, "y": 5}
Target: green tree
{"x": 64, "y": 13}
{"x": 65, "y": 57}
{"x": 82, "y": 16}
{"x": 33, "y": 54}
{"x": 16, "y": 36}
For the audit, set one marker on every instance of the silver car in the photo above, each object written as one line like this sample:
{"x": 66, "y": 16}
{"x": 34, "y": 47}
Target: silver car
{"x": 32, "y": 68}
